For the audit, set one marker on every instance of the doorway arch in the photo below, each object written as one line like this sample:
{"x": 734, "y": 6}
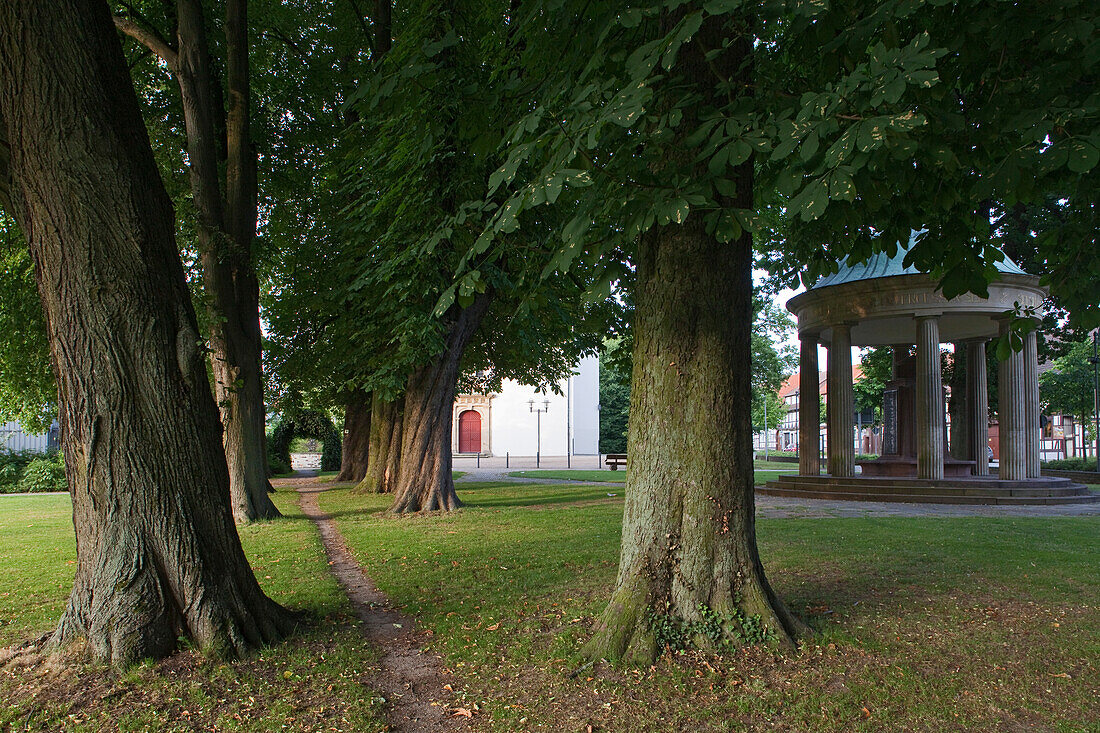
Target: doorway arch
{"x": 469, "y": 432}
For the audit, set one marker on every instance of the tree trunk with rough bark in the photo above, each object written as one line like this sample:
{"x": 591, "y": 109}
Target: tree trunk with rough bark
{"x": 158, "y": 554}
{"x": 227, "y": 228}
{"x": 425, "y": 483}
{"x": 225, "y": 231}
{"x": 689, "y": 533}
{"x": 355, "y": 450}
{"x": 384, "y": 453}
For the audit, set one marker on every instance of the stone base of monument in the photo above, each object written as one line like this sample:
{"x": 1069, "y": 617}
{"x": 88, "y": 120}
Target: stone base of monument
{"x": 962, "y": 490}
{"x": 907, "y": 466}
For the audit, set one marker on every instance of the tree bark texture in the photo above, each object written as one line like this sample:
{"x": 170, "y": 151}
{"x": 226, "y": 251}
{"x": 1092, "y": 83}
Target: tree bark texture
{"x": 689, "y": 533}
{"x": 225, "y": 233}
{"x": 384, "y": 453}
{"x": 424, "y": 482}
{"x": 355, "y": 450}
{"x": 158, "y": 554}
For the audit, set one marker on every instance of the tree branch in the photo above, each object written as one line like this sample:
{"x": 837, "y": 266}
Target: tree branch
{"x": 149, "y": 39}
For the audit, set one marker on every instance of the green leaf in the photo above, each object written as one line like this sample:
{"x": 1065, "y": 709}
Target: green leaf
{"x": 785, "y": 148}
{"x": 688, "y": 27}
{"x": 839, "y": 151}
{"x": 739, "y": 152}
{"x": 728, "y": 228}
{"x": 841, "y": 186}
{"x": 815, "y": 198}
{"x": 717, "y": 163}
{"x": 871, "y": 135}
{"x": 1082, "y": 156}
{"x": 809, "y": 146}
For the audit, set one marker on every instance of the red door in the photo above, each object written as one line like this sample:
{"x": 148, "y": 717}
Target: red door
{"x": 469, "y": 432}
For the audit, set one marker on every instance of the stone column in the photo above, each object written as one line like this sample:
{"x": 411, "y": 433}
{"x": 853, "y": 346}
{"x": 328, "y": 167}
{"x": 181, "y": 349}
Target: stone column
{"x": 1031, "y": 403}
{"x": 1012, "y": 415}
{"x": 977, "y": 407}
{"x": 929, "y": 399}
{"x": 840, "y": 403}
{"x": 809, "y": 407}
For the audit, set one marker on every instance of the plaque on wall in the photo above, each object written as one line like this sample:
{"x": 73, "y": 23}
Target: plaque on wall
{"x": 890, "y": 421}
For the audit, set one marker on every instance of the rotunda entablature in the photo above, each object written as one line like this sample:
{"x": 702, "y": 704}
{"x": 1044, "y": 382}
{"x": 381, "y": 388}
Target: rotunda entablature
{"x": 883, "y": 310}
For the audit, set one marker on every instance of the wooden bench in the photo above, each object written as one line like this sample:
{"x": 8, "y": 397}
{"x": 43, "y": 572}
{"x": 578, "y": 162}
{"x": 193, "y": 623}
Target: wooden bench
{"x": 614, "y": 460}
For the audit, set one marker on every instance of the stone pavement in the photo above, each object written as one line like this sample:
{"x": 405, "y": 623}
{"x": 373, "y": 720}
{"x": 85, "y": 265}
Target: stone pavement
{"x": 786, "y": 507}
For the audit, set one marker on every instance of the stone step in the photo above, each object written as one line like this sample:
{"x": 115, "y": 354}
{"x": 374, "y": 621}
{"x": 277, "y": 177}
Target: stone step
{"x": 961, "y": 490}
{"x": 930, "y": 498}
{"x": 970, "y": 482}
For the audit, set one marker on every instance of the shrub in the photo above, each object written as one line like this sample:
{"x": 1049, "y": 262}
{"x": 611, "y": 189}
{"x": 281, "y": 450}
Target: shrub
{"x": 45, "y": 473}
{"x": 1071, "y": 464}
{"x": 9, "y": 477}
{"x": 12, "y": 466}
{"x": 275, "y": 465}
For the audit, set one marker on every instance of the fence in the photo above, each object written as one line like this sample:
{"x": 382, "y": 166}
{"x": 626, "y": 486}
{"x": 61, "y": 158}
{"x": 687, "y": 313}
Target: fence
{"x": 13, "y": 438}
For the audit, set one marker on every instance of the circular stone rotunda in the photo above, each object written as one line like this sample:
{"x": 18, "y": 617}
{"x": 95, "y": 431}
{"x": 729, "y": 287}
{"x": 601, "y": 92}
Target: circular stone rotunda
{"x": 883, "y": 303}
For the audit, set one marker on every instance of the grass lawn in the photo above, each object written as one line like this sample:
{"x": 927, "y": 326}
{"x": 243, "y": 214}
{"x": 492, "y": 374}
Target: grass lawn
{"x": 924, "y": 624}
{"x": 318, "y": 681}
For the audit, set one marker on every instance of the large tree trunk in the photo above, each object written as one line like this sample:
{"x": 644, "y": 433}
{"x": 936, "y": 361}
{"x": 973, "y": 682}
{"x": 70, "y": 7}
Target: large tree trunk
{"x": 689, "y": 533}
{"x": 355, "y": 450}
{"x": 424, "y": 483}
{"x": 158, "y": 554}
{"x": 225, "y": 233}
{"x": 384, "y": 453}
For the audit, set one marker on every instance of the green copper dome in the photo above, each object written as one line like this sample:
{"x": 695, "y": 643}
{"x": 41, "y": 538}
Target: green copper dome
{"x": 881, "y": 264}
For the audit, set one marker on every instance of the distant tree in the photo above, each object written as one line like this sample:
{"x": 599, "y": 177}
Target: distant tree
{"x": 1067, "y": 387}
{"x": 28, "y": 392}
{"x": 876, "y": 366}
{"x": 771, "y": 363}
{"x": 614, "y": 397}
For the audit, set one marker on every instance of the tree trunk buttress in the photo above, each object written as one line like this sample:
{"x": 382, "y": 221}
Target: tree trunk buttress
{"x": 689, "y": 532}
{"x": 225, "y": 233}
{"x": 355, "y": 451}
{"x": 158, "y": 554}
{"x": 424, "y": 481}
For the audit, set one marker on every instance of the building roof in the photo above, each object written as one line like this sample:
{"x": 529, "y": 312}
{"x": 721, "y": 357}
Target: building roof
{"x": 882, "y": 264}
{"x": 792, "y": 384}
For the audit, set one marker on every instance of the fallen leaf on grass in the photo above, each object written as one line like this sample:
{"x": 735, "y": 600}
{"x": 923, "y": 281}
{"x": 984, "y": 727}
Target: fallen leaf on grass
{"x": 1063, "y": 675}
{"x": 462, "y": 713}
{"x": 866, "y": 713}
{"x": 494, "y": 627}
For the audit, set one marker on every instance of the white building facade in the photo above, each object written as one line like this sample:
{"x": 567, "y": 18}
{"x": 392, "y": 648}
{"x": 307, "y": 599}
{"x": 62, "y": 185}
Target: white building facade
{"x": 520, "y": 421}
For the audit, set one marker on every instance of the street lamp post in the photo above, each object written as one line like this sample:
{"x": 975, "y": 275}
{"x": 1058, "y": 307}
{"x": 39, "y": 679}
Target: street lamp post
{"x": 538, "y": 426}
